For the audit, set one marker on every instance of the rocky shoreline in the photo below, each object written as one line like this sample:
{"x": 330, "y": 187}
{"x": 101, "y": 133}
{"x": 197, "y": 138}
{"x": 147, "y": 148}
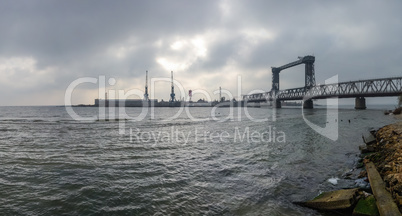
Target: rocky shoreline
{"x": 387, "y": 157}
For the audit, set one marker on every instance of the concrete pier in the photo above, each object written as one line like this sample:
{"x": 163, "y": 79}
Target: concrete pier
{"x": 308, "y": 104}
{"x": 360, "y": 103}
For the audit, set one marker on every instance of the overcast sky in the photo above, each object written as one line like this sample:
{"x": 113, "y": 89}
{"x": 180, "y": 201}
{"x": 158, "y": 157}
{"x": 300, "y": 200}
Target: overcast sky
{"x": 46, "y": 45}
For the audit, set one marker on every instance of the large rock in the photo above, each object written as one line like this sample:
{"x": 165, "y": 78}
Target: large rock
{"x": 368, "y": 138}
{"x": 341, "y": 199}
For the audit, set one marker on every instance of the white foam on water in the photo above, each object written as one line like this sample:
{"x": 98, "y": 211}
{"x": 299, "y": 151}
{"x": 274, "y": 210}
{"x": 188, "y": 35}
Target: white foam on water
{"x": 333, "y": 181}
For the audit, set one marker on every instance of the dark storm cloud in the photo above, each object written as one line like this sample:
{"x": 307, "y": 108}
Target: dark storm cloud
{"x": 52, "y": 43}
{"x": 357, "y": 40}
{"x": 63, "y": 31}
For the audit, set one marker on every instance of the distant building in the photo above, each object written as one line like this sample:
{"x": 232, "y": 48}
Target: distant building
{"x": 124, "y": 103}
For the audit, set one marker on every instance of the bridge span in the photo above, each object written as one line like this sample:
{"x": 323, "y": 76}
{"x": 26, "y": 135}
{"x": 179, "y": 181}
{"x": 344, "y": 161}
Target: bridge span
{"x": 383, "y": 87}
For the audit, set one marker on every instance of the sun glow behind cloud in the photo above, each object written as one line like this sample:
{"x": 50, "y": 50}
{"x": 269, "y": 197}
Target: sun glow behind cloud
{"x": 184, "y": 53}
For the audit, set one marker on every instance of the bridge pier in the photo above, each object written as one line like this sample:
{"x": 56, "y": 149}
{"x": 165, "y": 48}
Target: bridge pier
{"x": 360, "y": 103}
{"x": 276, "y": 104}
{"x": 308, "y": 104}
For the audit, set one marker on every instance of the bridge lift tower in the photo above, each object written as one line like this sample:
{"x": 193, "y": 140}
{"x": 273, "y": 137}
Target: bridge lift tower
{"x": 309, "y": 78}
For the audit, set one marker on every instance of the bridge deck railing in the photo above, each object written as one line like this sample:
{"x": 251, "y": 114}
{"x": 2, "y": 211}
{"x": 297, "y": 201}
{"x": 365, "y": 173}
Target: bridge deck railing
{"x": 361, "y": 88}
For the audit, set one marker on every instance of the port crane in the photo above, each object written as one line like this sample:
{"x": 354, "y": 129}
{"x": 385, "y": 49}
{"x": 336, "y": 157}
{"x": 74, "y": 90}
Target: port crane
{"x": 172, "y": 95}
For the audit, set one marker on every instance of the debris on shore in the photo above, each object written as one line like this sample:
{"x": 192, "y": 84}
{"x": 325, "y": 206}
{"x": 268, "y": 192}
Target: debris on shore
{"x": 340, "y": 199}
{"x": 396, "y": 111}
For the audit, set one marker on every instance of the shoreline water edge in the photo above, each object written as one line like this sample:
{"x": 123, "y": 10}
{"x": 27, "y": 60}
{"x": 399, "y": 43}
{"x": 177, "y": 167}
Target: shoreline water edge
{"x": 380, "y": 156}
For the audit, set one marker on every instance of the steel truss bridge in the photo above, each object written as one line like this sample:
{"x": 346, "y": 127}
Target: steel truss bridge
{"x": 353, "y": 89}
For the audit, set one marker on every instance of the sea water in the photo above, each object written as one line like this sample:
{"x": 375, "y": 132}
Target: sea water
{"x": 175, "y": 161}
